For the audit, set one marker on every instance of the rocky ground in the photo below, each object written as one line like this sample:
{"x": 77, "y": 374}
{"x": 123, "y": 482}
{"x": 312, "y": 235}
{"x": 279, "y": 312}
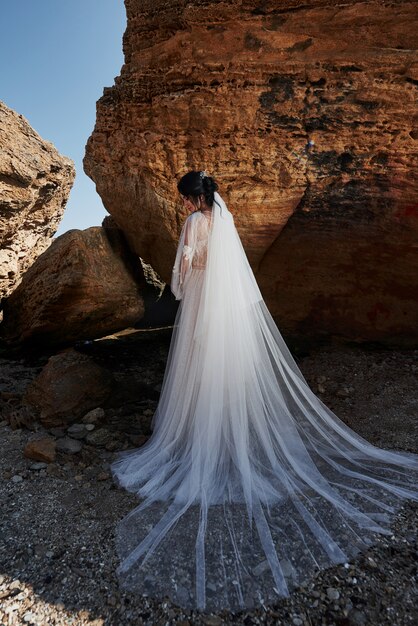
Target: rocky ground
{"x": 57, "y": 556}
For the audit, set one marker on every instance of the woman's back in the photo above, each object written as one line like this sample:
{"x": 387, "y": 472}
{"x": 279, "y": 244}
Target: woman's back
{"x": 203, "y": 223}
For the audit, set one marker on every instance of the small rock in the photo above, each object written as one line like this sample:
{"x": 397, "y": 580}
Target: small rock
{"x": 112, "y": 446}
{"x": 99, "y": 437}
{"x": 103, "y": 476}
{"x": 53, "y": 470}
{"x": 71, "y": 446}
{"x": 77, "y": 431}
{"x": 93, "y": 416}
{"x": 17, "y": 478}
{"x": 15, "y": 584}
{"x": 38, "y": 466}
{"x": 332, "y": 593}
{"x": 40, "y": 449}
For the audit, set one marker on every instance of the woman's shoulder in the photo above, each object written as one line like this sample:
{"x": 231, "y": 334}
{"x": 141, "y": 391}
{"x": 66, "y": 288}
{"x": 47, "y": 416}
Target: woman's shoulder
{"x": 194, "y": 216}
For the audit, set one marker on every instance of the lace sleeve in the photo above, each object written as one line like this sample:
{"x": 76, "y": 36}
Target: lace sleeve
{"x": 183, "y": 262}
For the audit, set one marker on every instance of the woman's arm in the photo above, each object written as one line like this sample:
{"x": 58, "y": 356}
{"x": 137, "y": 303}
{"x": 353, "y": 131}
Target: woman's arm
{"x": 186, "y": 257}
{"x": 183, "y": 263}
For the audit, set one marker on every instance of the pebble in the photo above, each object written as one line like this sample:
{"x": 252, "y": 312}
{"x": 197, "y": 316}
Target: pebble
{"x": 99, "y": 437}
{"x": 38, "y": 466}
{"x": 17, "y": 478}
{"x": 77, "y": 431}
{"x": 103, "y": 476}
{"x": 332, "y": 593}
{"x": 93, "y": 416}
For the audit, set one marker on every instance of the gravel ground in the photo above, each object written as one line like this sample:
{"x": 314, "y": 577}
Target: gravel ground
{"x": 57, "y": 555}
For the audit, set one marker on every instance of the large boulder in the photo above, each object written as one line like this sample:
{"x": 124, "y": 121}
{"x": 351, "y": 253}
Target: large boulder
{"x": 35, "y": 181}
{"x": 240, "y": 89}
{"x": 86, "y": 285}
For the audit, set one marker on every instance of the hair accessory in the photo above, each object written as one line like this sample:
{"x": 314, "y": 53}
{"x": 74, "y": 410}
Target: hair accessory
{"x": 203, "y": 174}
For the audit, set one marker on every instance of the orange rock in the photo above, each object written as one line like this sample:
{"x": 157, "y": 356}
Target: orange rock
{"x": 40, "y": 450}
{"x": 35, "y": 182}
{"x": 86, "y": 285}
{"x": 238, "y": 89}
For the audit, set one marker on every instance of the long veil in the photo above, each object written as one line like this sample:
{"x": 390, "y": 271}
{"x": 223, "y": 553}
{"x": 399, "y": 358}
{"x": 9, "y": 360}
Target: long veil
{"x": 249, "y": 483}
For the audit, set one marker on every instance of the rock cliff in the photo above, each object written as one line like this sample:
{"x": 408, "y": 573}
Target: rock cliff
{"x": 35, "y": 181}
{"x": 239, "y": 88}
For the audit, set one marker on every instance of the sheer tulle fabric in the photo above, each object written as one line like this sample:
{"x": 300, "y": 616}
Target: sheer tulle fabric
{"x": 249, "y": 483}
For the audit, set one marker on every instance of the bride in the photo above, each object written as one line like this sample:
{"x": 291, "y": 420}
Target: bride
{"x": 249, "y": 483}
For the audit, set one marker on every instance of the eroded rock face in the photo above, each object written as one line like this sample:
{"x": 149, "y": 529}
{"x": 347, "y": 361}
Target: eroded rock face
{"x": 238, "y": 89}
{"x": 86, "y": 285}
{"x": 35, "y": 181}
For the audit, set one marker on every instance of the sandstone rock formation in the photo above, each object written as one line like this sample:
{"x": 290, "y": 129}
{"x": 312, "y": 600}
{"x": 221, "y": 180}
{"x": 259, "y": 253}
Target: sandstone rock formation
{"x": 238, "y": 89}
{"x": 35, "y": 181}
{"x": 86, "y": 285}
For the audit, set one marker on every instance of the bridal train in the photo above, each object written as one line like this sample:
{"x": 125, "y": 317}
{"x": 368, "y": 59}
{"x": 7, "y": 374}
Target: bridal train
{"x": 249, "y": 484}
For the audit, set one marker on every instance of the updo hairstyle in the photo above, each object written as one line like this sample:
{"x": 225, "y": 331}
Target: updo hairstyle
{"x": 195, "y": 183}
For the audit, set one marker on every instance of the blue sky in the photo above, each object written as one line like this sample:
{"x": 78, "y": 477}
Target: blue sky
{"x": 56, "y": 56}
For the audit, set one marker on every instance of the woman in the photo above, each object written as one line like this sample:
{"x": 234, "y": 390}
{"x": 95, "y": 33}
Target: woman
{"x": 249, "y": 482}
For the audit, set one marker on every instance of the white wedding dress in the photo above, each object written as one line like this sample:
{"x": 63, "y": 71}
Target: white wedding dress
{"x": 249, "y": 483}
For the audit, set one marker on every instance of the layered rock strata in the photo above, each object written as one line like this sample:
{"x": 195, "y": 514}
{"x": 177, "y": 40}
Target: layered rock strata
{"x": 35, "y": 182}
{"x": 239, "y": 89}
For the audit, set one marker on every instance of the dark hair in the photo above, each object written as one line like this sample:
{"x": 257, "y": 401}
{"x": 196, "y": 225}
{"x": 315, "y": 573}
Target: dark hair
{"x": 193, "y": 184}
